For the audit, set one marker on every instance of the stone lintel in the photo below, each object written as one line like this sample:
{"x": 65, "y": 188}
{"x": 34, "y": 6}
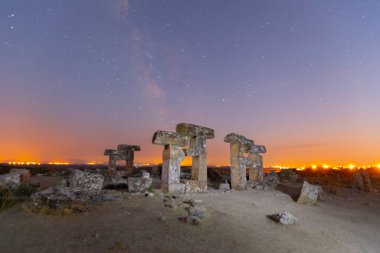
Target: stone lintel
{"x": 170, "y": 138}
{"x": 128, "y": 147}
{"x": 111, "y": 152}
{"x": 195, "y": 130}
{"x": 259, "y": 149}
{"x": 237, "y": 138}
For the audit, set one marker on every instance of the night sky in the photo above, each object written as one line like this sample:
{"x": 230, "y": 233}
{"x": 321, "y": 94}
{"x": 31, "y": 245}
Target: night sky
{"x": 301, "y": 77}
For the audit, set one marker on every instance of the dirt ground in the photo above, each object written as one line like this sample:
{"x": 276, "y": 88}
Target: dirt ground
{"x": 236, "y": 222}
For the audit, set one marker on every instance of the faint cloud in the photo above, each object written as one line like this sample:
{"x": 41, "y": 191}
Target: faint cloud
{"x": 121, "y": 8}
{"x": 153, "y": 89}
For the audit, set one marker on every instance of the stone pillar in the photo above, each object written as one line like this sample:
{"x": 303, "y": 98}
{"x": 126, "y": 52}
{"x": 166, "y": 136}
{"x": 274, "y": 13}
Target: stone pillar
{"x": 172, "y": 156}
{"x": 113, "y": 156}
{"x": 256, "y": 160}
{"x": 239, "y": 145}
{"x": 171, "y": 168}
{"x": 197, "y": 150}
{"x": 256, "y": 171}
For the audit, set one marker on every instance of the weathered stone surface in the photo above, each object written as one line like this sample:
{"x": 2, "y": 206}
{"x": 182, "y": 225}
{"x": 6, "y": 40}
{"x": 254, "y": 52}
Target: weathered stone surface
{"x": 193, "y": 186}
{"x": 310, "y": 194}
{"x": 171, "y": 169}
{"x": 259, "y": 149}
{"x": 288, "y": 175}
{"x": 25, "y": 174}
{"x": 361, "y": 181}
{"x": 128, "y": 147}
{"x": 139, "y": 184}
{"x": 56, "y": 197}
{"x": 271, "y": 179}
{"x": 76, "y": 193}
{"x": 192, "y": 130}
{"x": 111, "y": 152}
{"x": 179, "y": 188}
{"x": 10, "y": 180}
{"x": 170, "y": 138}
{"x": 198, "y": 211}
{"x": 237, "y": 138}
{"x": 244, "y": 155}
{"x": 285, "y": 218}
{"x": 86, "y": 182}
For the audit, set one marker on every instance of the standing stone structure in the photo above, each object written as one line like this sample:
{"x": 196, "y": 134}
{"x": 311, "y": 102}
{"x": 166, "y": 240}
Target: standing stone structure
{"x": 123, "y": 152}
{"x": 239, "y": 145}
{"x": 173, "y": 154}
{"x": 113, "y": 157}
{"x": 256, "y": 163}
{"x": 127, "y": 153}
{"x": 197, "y": 150}
{"x": 245, "y": 155}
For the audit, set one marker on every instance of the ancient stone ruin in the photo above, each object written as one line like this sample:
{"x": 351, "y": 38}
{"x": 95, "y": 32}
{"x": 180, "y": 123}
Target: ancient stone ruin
{"x": 123, "y": 152}
{"x": 188, "y": 140}
{"x": 244, "y": 155}
{"x": 173, "y": 154}
{"x": 197, "y": 150}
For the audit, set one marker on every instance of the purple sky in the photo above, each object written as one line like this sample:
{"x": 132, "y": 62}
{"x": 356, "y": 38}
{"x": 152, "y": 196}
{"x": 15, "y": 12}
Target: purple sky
{"x": 301, "y": 77}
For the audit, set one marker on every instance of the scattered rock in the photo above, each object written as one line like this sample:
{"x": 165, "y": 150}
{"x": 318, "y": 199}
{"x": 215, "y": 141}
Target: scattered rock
{"x": 170, "y": 203}
{"x": 271, "y": 180}
{"x": 139, "y": 184}
{"x": 193, "y": 220}
{"x": 198, "y": 211}
{"x": 10, "y": 180}
{"x": 196, "y": 202}
{"x": 310, "y": 194}
{"x": 225, "y": 187}
{"x": 284, "y": 218}
{"x": 86, "y": 182}
{"x": 24, "y": 174}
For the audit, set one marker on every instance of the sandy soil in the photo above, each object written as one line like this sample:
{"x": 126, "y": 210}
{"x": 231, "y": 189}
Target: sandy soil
{"x": 236, "y": 222}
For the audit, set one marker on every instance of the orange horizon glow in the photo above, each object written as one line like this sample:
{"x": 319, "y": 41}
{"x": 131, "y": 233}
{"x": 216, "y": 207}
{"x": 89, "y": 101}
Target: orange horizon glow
{"x": 187, "y": 162}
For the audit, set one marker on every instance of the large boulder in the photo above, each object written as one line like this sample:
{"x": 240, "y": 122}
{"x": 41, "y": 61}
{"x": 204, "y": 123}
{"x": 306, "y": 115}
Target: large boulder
{"x": 56, "y": 197}
{"x": 14, "y": 178}
{"x": 139, "y": 184}
{"x": 86, "y": 182}
{"x": 271, "y": 180}
{"x": 310, "y": 193}
{"x": 10, "y": 180}
{"x": 80, "y": 189}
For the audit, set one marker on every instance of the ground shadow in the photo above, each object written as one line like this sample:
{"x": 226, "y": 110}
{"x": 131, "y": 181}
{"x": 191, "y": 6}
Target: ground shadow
{"x": 293, "y": 192}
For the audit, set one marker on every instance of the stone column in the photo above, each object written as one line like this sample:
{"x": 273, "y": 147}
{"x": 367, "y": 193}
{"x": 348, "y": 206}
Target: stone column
{"x": 172, "y": 156}
{"x": 171, "y": 168}
{"x": 256, "y": 170}
{"x": 256, "y": 159}
{"x": 239, "y": 145}
{"x": 113, "y": 156}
